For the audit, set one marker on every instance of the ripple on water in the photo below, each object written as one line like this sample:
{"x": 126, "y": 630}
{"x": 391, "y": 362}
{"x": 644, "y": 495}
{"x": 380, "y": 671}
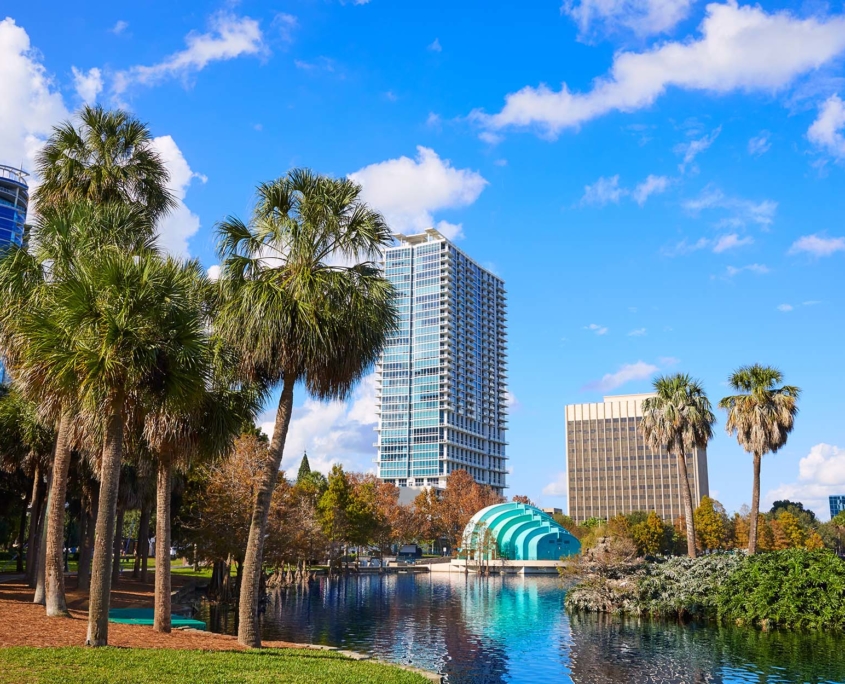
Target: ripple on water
{"x": 479, "y": 630}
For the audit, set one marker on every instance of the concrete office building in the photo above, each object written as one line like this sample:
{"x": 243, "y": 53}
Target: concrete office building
{"x": 441, "y": 381}
{"x": 14, "y": 200}
{"x": 611, "y": 469}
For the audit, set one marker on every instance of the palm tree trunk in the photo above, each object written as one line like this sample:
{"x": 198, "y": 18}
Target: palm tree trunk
{"x": 41, "y": 571}
{"x": 142, "y": 547}
{"x": 35, "y": 510}
{"x": 755, "y": 506}
{"x": 161, "y": 617}
{"x": 118, "y": 545}
{"x": 100, "y": 595}
{"x": 21, "y": 535}
{"x": 248, "y": 631}
{"x": 84, "y": 570}
{"x": 54, "y": 560}
{"x": 685, "y": 493}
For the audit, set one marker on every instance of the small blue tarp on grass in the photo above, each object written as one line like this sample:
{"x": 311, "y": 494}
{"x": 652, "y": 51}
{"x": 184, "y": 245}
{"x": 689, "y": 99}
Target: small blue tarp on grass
{"x": 144, "y": 616}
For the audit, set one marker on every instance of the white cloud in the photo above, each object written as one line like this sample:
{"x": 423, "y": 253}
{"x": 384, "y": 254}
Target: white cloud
{"x": 230, "y": 37}
{"x": 180, "y": 224}
{"x": 285, "y": 24}
{"x": 757, "y": 269}
{"x": 434, "y": 120}
{"x": 668, "y": 360}
{"x": 740, "y": 48}
{"x": 119, "y": 27}
{"x": 597, "y": 329}
{"x": 639, "y": 332}
{"x": 731, "y": 241}
{"x": 643, "y": 17}
{"x": 603, "y": 191}
{"x": 826, "y": 130}
{"x": 742, "y": 211}
{"x": 818, "y": 245}
{"x": 512, "y": 402}
{"x": 693, "y": 148}
{"x": 558, "y": 486}
{"x": 407, "y": 191}
{"x": 501, "y": 162}
{"x": 31, "y": 104}
{"x": 759, "y": 144}
{"x": 785, "y": 307}
{"x": 490, "y": 138}
{"x": 685, "y": 247}
{"x": 626, "y": 373}
{"x": 88, "y": 84}
{"x": 821, "y": 473}
{"x": 332, "y": 432}
{"x": 652, "y": 185}
{"x": 214, "y": 272}
{"x": 435, "y": 46}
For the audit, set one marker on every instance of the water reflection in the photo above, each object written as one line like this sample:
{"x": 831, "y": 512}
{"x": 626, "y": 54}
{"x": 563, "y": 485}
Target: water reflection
{"x": 508, "y": 629}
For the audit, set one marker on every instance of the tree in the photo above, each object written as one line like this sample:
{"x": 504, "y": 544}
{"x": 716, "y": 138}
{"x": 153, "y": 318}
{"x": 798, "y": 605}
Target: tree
{"x": 304, "y": 468}
{"x": 110, "y": 158}
{"x": 710, "y": 524}
{"x": 296, "y": 313}
{"x": 649, "y": 534}
{"x": 761, "y": 417}
{"x": 679, "y": 419}
{"x": 462, "y": 498}
{"x": 521, "y": 498}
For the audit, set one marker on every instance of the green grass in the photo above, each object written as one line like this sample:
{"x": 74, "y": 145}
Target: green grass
{"x": 154, "y": 666}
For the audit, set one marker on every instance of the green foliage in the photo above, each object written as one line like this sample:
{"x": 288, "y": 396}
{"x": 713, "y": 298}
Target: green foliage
{"x": 649, "y": 535}
{"x": 304, "y": 469}
{"x": 711, "y": 524}
{"x": 793, "y": 588}
{"x": 151, "y": 666}
{"x": 590, "y": 523}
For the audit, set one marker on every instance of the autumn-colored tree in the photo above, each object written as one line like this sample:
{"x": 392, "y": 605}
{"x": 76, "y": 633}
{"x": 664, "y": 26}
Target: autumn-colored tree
{"x": 649, "y": 535}
{"x": 814, "y": 542}
{"x": 427, "y": 515}
{"x": 765, "y": 535}
{"x": 462, "y": 499}
{"x": 710, "y": 524}
{"x": 521, "y": 498}
{"x": 739, "y": 532}
{"x": 788, "y": 531}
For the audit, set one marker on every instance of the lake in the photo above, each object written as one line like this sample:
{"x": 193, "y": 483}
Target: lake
{"x": 478, "y": 630}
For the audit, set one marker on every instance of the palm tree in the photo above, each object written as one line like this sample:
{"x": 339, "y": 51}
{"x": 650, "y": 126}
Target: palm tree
{"x": 680, "y": 420}
{"x": 110, "y": 158}
{"x": 116, "y": 326}
{"x": 761, "y": 417}
{"x": 296, "y": 312}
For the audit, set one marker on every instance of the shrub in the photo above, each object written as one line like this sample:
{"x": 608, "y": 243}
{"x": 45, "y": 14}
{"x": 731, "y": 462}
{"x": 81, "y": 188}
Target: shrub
{"x": 792, "y": 588}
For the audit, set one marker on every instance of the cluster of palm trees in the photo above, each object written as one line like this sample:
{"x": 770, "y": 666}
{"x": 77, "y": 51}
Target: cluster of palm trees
{"x": 679, "y": 419}
{"x": 129, "y": 354}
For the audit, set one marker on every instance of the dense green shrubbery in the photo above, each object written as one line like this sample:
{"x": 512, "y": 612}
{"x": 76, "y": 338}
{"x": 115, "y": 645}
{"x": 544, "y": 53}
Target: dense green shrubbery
{"x": 792, "y": 588}
{"x": 685, "y": 587}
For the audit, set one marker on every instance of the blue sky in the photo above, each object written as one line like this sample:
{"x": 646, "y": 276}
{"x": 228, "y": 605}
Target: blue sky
{"x": 659, "y": 182}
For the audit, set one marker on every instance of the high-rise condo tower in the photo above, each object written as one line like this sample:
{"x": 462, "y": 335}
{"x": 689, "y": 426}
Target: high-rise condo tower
{"x": 442, "y": 379}
{"x": 14, "y": 199}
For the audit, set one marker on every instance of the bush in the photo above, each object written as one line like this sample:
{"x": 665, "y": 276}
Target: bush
{"x": 685, "y": 587}
{"x": 792, "y": 588}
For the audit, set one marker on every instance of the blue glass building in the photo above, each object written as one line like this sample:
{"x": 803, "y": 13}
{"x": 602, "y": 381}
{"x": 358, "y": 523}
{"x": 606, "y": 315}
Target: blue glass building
{"x": 837, "y": 505}
{"x": 14, "y": 199}
{"x": 442, "y": 380}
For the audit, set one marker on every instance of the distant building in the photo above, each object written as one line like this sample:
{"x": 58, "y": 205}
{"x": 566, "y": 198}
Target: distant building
{"x": 837, "y": 505}
{"x": 612, "y": 470}
{"x": 14, "y": 200}
{"x": 442, "y": 380}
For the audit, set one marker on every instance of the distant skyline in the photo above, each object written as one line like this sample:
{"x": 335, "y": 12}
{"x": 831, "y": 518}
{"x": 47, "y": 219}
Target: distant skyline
{"x": 659, "y": 184}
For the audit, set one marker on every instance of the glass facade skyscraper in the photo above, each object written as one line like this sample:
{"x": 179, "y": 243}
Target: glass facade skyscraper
{"x": 14, "y": 199}
{"x": 442, "y": 379}
{"x": 837, "y": 505}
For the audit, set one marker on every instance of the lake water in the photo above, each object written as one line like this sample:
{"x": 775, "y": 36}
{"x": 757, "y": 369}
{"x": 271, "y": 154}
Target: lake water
{"x": 479, "y": 630}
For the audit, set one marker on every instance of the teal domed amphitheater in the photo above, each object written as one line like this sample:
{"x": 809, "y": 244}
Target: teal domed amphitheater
{"x": 516, "y": 531}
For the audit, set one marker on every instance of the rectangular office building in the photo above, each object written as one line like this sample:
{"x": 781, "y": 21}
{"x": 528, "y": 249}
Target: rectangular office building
{"x": 611, "y": 469}
{"x": 441, "y": 381}
{"x": 837, "y": 505}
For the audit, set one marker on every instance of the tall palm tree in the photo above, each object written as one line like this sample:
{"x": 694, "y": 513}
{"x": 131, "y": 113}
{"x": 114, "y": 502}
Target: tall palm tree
{"x": 679, "y": 419}
{"x": 761, "y": 417}
{"x": 110, "y": 157}
{"x": 295, "y": 311}
{"x": 118, "y": 325}
{"x": 63, "y": 237}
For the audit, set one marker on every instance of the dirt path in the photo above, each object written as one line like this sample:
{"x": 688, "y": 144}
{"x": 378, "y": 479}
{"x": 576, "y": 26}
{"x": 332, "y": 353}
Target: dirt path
{"x": 23, "y": 623}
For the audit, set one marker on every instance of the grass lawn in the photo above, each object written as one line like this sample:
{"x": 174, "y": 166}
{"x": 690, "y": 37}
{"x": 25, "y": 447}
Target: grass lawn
{"x": 153, "y": 666}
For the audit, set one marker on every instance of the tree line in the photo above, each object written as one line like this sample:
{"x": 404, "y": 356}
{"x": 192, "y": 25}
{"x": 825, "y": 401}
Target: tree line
{"x": 133, "y": 363}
